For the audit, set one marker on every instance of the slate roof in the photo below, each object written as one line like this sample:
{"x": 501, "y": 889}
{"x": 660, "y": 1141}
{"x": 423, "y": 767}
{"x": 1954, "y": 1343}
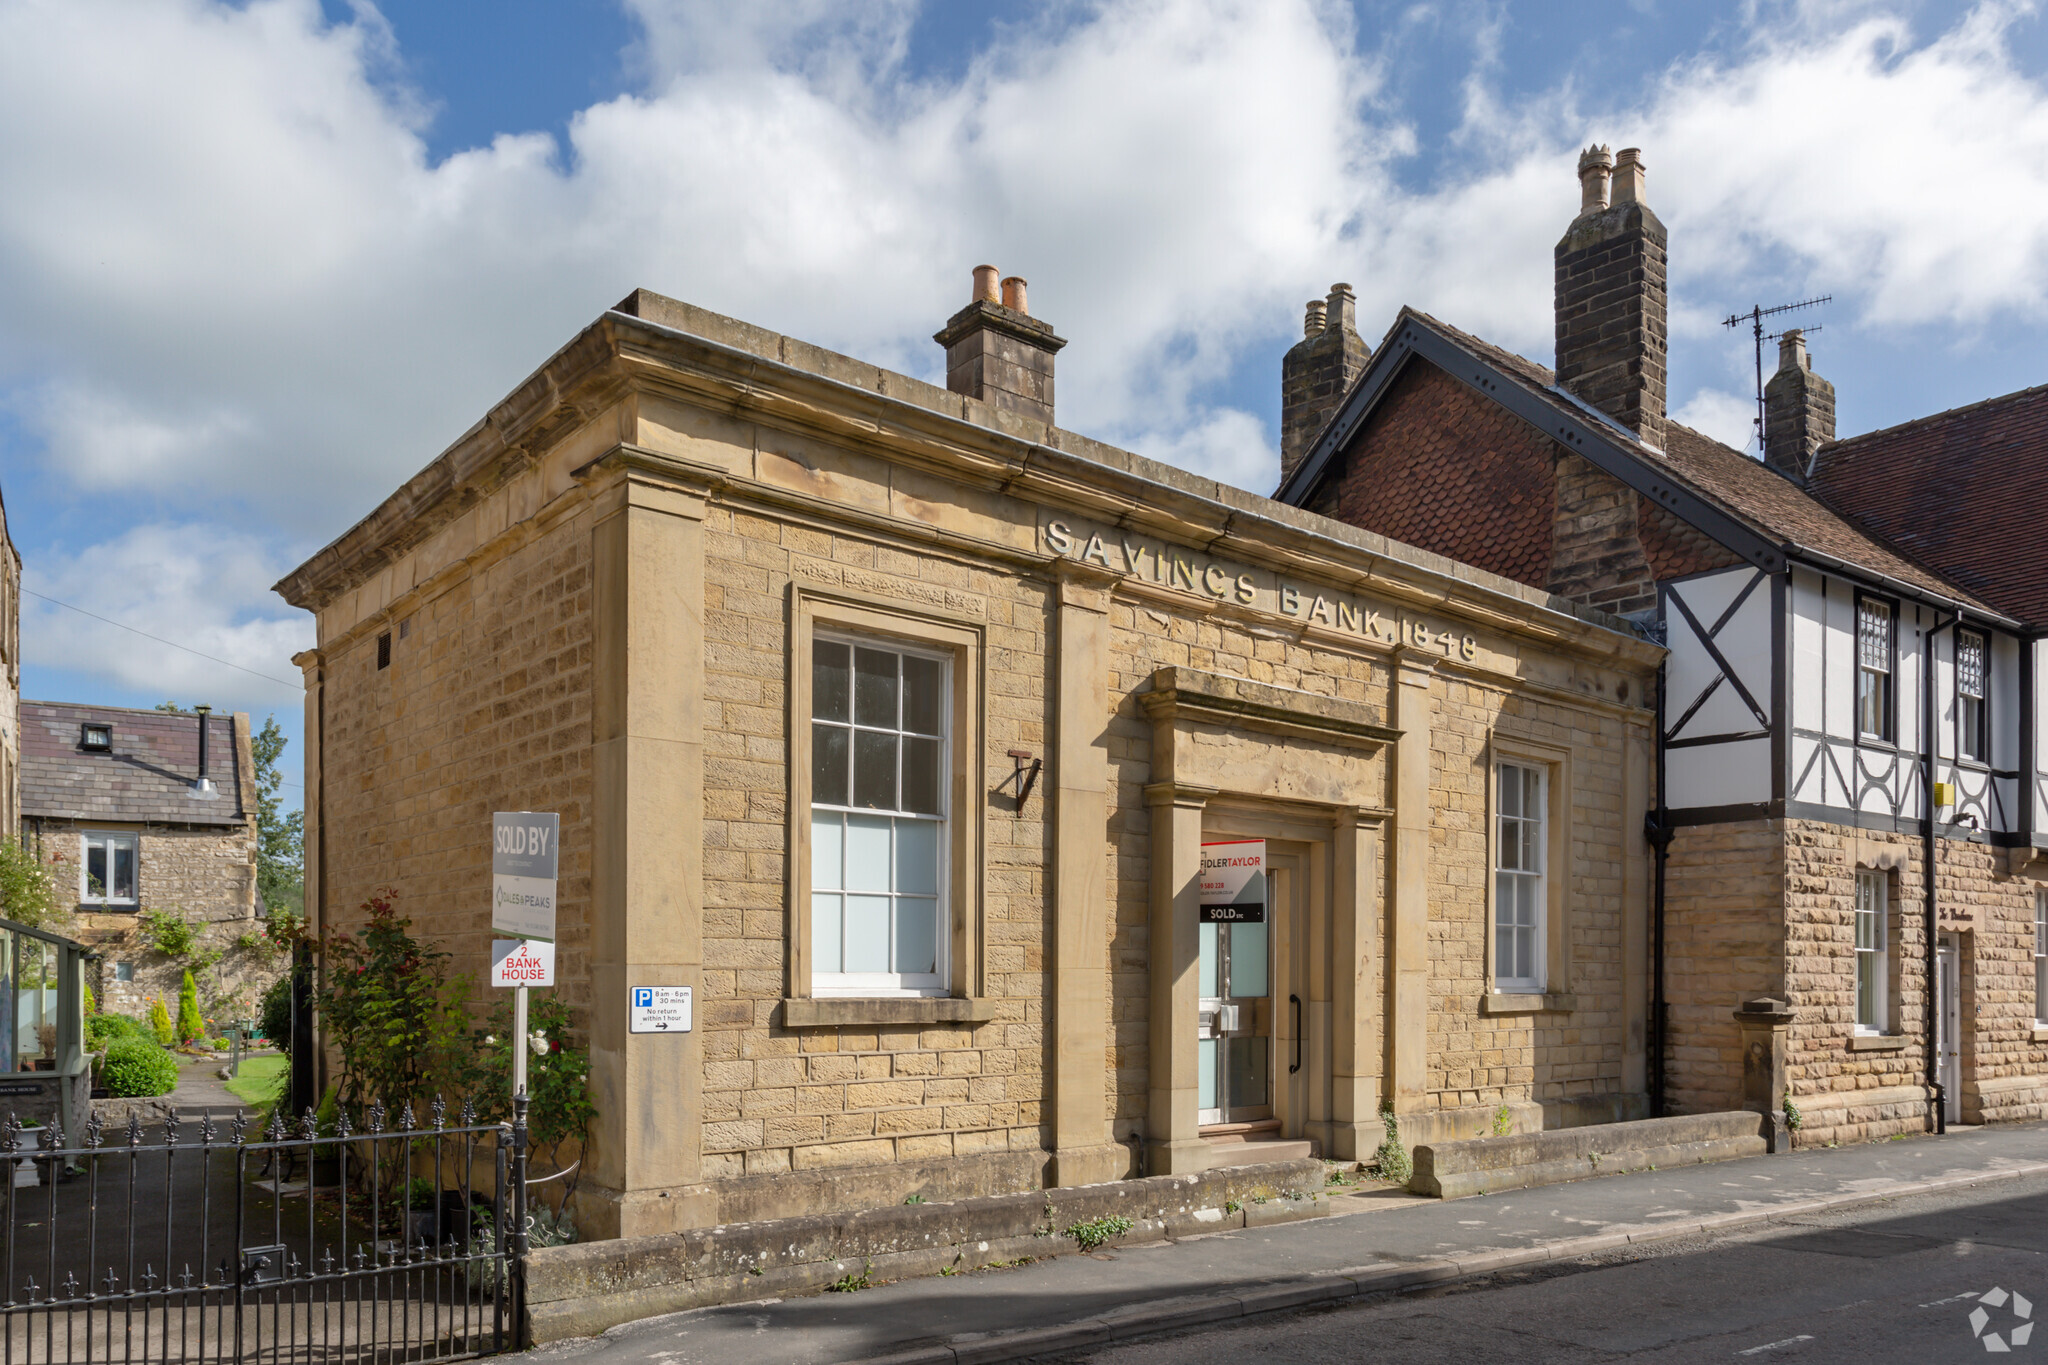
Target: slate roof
{"x": 1745, "y": 489}
{"x": 1960, "y": 490}
{"x": 148, "y": 775}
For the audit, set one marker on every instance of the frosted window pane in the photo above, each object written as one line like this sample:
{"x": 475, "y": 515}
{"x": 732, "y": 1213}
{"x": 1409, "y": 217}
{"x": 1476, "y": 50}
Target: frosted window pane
{"x": 917, "y": 857}
{"x": 1248, "y": 962}
{"x": 1205, "y": 987}
{"x": 825, "y": 933}
{"x": 867, "y": 934}
{"x": 828, "y": 837}
{"x": 1205, "y": 1070}
{"x": 867, "y": 853}
{"x": 917, "y": 935}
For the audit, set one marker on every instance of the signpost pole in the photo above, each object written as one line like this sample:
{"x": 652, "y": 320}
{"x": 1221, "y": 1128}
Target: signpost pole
{"x": 519, "y": 1041}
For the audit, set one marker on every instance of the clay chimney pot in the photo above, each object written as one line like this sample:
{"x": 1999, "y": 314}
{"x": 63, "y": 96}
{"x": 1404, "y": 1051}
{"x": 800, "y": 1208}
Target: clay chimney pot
{"x": 1312, "y": 324}
{"x": 1596, "y": 167}
{"x": 1014, "y": 295}
{"x": 1628, "y": 176}
{"x": 985, "y": 284}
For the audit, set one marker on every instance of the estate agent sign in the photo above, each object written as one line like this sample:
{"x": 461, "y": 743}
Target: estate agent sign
{"x": 524, "y": 859}
{"x": 1234, "y": 882}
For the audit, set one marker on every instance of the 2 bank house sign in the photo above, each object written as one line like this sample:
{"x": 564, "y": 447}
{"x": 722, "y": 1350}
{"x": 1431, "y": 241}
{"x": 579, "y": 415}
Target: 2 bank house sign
{"x": 1182, "y": 571}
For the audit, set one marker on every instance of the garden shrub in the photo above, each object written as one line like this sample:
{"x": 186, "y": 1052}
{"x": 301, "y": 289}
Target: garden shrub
{"x": 274, "y": 1012}
{"x": 190, "y": 1025}
{"x": 136, "y": 1068}
{"x": 160, "y": 1022}
{"x": 27, "y": 893}
{"x": 394, "y": 1016}
{"x": 557, "y": 1079}
{"x": 103, "y": 1029}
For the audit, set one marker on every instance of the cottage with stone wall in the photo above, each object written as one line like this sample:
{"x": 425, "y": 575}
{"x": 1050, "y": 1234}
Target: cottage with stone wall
{"x": 132, "y": 813}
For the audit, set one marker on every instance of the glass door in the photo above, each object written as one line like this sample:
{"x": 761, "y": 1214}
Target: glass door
{"x": 1234, "y": 1048}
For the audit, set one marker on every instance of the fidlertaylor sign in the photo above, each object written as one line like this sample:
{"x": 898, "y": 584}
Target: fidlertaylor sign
{"x": 1234, "y": 882}
{"x": 524, "y": 859}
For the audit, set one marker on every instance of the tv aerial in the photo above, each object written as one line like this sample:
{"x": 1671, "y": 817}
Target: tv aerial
{"x": 1755, "y": 318}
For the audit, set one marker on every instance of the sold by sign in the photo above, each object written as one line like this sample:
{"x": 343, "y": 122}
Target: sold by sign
{"x": 525, "y": 856}
{"x": 1234, "y": 882}
{"x": 522, "y": 962}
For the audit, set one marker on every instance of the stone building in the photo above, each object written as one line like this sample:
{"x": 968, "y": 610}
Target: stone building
{"x": 1851, "y": 693}
{"x": 134, "y": 811}
{"x": 893, "y": 720}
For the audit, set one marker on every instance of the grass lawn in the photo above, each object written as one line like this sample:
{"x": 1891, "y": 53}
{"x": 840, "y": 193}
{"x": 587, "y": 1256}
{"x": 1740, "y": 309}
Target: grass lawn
{"x": 257, "y": 1085}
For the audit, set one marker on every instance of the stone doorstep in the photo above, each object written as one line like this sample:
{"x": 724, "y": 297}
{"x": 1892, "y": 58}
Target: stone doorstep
{"x": 583, "y": 1289}
{"x": 1361, "y": 1281}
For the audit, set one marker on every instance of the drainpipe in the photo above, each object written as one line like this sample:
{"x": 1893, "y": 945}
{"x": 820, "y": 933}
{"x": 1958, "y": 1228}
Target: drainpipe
{"x": 1657, "y": 829}
{"x": 1927, "y": 750}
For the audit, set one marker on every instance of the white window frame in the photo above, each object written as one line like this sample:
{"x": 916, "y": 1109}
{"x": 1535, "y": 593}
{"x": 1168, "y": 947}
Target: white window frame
{"x": 1872, "y": 945}
{"x": 110, "y": 839}
{"x": 2041, "y": 957}
{"x": 1973, "y": 733}
{"x": 868, "y": 984}
{"x": 1887, "y": 671}
{"x": 1530, "y": 887}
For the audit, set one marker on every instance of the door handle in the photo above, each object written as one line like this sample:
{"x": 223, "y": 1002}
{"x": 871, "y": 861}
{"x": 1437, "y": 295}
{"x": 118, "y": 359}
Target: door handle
{"x": 1226, "y": 1019}
{"x": 1295, "y": 1001}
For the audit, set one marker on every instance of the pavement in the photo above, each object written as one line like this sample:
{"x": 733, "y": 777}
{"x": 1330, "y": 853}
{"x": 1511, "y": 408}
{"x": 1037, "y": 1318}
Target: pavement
{"x": 1381, "y": 1243}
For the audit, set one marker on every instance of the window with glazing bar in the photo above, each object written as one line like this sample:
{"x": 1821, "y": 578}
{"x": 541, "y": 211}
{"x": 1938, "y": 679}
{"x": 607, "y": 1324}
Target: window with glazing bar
{"x": 1973, "y": 739}
{"x": 2041, "y": 958}
{"x": 1871, "y": 896}
{"x": 878, "y": 819}
{"x": 1518, "y": 890}
{"x": 1874, "y": 659}
{"x": 106, "y": 871}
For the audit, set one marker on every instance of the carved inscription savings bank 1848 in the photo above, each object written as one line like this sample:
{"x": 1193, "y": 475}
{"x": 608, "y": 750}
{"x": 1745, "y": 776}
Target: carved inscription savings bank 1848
{"x": 1184, "y": 571}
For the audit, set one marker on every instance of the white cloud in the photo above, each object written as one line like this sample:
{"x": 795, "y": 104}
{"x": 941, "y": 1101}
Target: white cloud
{"x": 189, "y": 583}
{"x": 1729, "y": 418}
{"x": 230, "y": 275}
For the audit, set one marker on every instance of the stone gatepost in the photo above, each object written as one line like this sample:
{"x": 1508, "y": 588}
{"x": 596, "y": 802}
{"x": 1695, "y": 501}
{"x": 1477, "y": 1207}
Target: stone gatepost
{"x": 1765, "y": 1023}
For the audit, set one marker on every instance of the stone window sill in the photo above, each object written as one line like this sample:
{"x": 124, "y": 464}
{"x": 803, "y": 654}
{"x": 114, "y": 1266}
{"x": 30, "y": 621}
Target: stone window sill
{"x": 1877, "y": 1042}
{"x": 834, "y": 1011}
{"x": 1554, "y": 1002}
{"x": 2040, "y": 1034}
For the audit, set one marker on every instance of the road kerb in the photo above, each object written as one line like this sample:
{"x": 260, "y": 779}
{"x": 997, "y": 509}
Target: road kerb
{"x": 1360, "y": 1281}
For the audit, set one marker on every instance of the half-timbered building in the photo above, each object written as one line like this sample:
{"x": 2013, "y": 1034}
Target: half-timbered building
{"x": 1849, "y": 766}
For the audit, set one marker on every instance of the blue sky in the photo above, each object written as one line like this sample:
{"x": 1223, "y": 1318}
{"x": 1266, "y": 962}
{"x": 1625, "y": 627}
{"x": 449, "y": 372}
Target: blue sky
{"x": 261, "y": 261}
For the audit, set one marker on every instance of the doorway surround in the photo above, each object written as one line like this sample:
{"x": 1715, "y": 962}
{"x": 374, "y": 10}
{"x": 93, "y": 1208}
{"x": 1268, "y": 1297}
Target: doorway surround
{"x": 1232, "y": 755}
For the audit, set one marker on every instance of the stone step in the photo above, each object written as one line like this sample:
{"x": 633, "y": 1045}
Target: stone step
{"x": 1257, "y": 1149}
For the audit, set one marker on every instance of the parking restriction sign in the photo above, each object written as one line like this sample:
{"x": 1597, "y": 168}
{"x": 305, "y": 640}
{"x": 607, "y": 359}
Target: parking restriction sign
{"x": 660, "y": 1009}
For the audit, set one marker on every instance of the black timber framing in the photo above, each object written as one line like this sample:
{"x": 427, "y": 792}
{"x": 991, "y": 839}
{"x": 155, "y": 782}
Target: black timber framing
{"x": 1552, "y": 412}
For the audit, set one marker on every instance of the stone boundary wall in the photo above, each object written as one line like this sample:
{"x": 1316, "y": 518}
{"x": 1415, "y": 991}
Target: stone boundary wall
{"x": 584, "y": 1289}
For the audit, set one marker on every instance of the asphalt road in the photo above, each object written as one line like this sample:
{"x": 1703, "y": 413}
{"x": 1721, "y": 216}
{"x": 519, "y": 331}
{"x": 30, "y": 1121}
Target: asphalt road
{"x": 1899, "y": 1282}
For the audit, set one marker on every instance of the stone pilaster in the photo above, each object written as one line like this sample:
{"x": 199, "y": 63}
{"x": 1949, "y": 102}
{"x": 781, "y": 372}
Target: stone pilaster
{"x": 647, "y": 884}
{"x": 1355, "y": 1052}
{"x": 1083, "y": 1151}
{"x": 1172, "y": 1145}
{"x": 1765, "y": 1024}
{"x": 1407, "y": 961}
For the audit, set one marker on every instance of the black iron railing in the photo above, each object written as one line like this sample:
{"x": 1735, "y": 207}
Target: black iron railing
{"x": 399, "y": 1244}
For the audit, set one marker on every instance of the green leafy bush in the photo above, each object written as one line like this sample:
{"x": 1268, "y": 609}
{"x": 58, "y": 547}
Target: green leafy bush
{"x": 27, "y": 893}
{"x": 170, "y": 933}
{"x": 274, "y": 1012}
{"x": 557, "y": 1078}
{"x": 392, "y": 1013}
{"x": 104, "y": 1029}
{"x": 137, "y": 1068}
{"x": 160, "y": 1022}
{"x": 190, "y": 1025}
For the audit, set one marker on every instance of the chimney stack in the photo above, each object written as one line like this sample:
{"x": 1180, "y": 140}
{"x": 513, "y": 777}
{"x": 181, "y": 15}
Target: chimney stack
{"x": 204, "y": 786}
{"x": 997, "y": 352}
{"x": 1318, "y": 372}
{"x": 1799, "y": 409}
{"x": 1611, "y": 271}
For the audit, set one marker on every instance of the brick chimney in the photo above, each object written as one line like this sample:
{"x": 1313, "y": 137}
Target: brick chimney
{"x": 997, "y": 352}
{"x": 1611, "y": 267}
{"x": 1799, "y": 409}
{"x": 1318, "y": 372}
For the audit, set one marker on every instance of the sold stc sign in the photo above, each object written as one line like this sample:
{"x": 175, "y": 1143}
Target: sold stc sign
{"x": 1234, "y": 882}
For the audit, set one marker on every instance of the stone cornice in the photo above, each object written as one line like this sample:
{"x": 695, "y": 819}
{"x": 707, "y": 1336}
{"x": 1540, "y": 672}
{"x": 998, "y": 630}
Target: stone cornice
{"x": 1240, "y": 704}
{"x": 907, "y": 420}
